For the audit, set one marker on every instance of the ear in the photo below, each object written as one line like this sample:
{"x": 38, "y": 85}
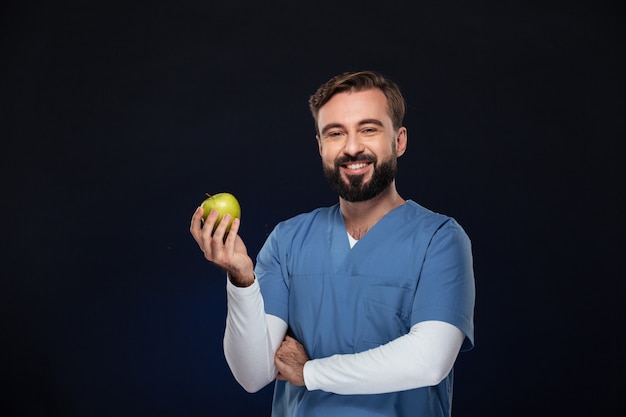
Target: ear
{"x": 401, "y": 141}
{"x": 319, "y": 144}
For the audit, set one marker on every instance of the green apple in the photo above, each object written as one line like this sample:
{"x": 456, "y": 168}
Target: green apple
{"x": 224, "y": 203}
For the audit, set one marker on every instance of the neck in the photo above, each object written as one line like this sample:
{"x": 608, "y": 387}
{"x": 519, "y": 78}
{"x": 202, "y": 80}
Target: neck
{"x": 361, "y": 216}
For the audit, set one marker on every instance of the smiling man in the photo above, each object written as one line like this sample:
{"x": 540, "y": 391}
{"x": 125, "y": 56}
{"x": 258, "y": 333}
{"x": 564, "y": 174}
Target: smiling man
{"x": 358, "y": 309}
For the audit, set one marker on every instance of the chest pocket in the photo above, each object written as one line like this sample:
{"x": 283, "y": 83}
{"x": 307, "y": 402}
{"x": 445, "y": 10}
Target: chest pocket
{"x": 386, "y": 313}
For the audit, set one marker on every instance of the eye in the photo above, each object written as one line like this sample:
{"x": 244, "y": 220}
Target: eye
{"x": 369, "y": 130}
{"x": 334, "y": 134}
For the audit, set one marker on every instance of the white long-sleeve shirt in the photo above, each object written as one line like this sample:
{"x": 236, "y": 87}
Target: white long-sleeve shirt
{"x": 422, "y": 357}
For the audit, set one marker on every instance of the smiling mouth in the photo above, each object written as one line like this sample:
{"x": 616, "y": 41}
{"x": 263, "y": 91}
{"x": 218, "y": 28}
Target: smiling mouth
{"x": 357, "y": 165}
{"x": 356, "y": 168}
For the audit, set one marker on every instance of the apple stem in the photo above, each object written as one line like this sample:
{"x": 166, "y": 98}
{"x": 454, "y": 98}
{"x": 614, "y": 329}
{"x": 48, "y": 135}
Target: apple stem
{"x": 207, "y": 194}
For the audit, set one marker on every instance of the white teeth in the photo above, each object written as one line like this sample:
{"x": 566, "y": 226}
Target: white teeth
{"x": 356, "y": 166}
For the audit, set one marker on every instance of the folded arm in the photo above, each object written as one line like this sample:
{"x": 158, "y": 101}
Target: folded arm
{"x": 422, "y": 357}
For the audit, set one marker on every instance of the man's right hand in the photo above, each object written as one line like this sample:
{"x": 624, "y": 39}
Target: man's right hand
{"x": 225, "y": 250}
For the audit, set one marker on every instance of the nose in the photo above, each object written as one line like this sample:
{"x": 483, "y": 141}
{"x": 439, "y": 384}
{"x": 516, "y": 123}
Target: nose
{"x": 353, "y": 145}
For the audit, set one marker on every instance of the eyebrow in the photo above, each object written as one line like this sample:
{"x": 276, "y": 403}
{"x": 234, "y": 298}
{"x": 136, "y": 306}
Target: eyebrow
{"x": 361, "y": 123}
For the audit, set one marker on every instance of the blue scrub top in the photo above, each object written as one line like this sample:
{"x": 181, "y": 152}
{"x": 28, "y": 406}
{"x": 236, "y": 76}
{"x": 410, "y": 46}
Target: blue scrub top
{"x": 413, "y": 265}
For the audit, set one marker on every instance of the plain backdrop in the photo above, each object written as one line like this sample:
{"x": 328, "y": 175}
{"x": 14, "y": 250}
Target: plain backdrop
{"x": 117, "y": 118}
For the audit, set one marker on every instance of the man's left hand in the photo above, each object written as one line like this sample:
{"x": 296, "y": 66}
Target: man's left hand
{"x": 290, "y": 359}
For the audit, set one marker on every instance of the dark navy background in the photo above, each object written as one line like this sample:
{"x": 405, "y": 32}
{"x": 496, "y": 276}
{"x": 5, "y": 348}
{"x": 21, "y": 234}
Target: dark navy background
{"x": 117, "y": 118}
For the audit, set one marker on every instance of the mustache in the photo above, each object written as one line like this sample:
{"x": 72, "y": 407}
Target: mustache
{"x": 345, "y": 159}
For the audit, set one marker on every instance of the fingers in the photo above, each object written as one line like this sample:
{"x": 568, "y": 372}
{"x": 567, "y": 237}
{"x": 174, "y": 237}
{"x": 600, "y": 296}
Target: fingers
{"x": 282, "y": 369}
{"x": 290, "y": 363}
{"x": 289, "y": 343}
{"x": 218, "y": 244}
{"x": 209, "y": 223}
{"x": 219, "y": 234}
{"x": 202, "y": 230}
{"x": 231, "y": 237}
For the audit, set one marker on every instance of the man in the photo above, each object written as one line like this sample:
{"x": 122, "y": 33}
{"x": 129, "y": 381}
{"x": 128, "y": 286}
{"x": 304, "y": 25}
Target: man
{"x": 359, "y": 309}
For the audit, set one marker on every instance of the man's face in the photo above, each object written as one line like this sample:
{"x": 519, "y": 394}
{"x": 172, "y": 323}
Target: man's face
{"x": 358, "y": 144}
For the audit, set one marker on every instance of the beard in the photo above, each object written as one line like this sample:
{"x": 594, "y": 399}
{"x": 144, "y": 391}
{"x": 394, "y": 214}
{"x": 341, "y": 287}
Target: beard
{"x": 355, "y": 190}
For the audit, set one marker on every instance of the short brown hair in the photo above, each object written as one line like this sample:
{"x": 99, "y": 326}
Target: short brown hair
{"x": 359, "y": 81}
